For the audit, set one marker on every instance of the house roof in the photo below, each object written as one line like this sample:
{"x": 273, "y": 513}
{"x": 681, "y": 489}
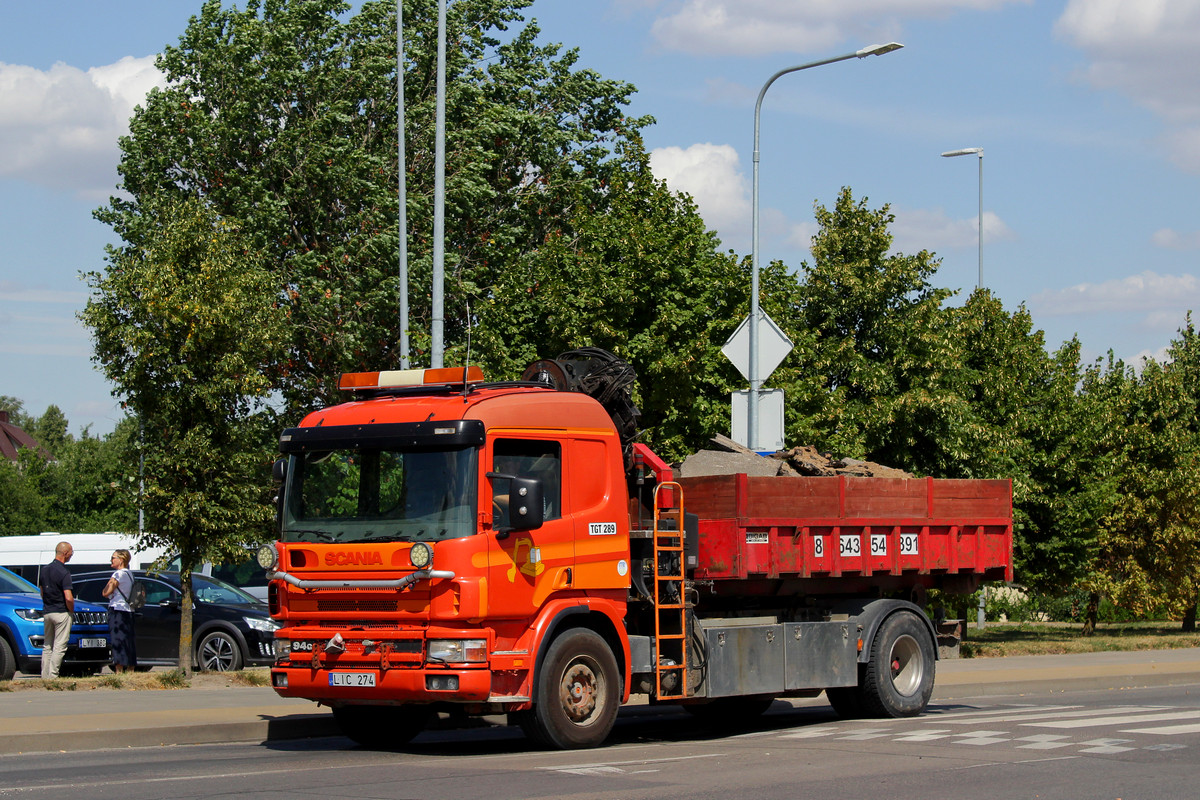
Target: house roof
{"x": 13, "y": 439}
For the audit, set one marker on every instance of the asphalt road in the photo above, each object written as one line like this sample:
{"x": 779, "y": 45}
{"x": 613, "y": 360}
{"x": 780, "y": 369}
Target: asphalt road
{"x": 1122, "y": 743}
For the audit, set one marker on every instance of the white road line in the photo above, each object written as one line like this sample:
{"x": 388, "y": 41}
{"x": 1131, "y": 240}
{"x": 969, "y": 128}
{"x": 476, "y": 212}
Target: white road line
{"x": 1113, "y": 720}
{"x": 634, "y": 763}
{"x": 953, "y": 716}
{"x": 1106, "y": 746}
{"x": 1166, "y": 730}
{"x": 1022, "y": 717}
{"x": 1044, "y": 741}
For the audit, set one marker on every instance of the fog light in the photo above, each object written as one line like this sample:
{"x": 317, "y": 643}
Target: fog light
{"x": 267, "y": 557}
{"x": 279, "y": 680}
{"x": 441, "y": 683}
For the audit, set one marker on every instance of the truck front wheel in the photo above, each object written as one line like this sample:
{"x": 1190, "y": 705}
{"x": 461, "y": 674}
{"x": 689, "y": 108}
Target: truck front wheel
{"x": 382, "y": 727}
{"x": 578, "y": 692}
{"x": 898, "y": 680}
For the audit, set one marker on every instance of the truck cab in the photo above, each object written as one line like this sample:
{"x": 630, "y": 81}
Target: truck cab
{"x": 444, "y": 530}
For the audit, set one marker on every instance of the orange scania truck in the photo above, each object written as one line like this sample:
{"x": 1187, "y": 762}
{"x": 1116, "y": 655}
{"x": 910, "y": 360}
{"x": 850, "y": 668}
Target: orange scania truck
{"x": 447, "y": 543}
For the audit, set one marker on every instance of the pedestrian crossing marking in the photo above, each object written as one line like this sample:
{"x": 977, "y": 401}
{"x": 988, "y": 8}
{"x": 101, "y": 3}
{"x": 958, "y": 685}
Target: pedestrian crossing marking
{"x": 1166, "y": 730}
{"x": 1092, "y": 722}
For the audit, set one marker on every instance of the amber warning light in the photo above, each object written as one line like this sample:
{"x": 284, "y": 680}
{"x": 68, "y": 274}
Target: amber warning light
{"x": 396, "y": 378}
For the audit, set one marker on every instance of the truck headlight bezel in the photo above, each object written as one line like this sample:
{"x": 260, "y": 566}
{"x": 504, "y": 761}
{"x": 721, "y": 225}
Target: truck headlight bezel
{"x": 457, "y": 651}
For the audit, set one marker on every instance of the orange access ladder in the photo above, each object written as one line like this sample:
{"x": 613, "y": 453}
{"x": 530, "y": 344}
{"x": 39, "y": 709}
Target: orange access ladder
{"x": 670, "y": 605}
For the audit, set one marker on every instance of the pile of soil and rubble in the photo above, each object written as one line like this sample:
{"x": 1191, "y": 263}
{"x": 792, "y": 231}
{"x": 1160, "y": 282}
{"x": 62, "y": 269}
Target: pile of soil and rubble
{"x": 727, "y": 457}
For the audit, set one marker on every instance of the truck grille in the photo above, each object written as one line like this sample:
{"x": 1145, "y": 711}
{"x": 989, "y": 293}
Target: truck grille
{"x": 387, "y": 606}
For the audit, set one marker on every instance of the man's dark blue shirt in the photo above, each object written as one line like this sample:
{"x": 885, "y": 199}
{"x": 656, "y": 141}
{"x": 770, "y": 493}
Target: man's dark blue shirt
{"x": 55, "y": 580}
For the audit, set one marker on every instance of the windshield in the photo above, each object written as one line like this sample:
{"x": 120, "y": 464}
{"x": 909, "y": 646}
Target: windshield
{"x": 380, "y": 495}
{"x": 11, "y": 582}
{"x": 215, "y": 590}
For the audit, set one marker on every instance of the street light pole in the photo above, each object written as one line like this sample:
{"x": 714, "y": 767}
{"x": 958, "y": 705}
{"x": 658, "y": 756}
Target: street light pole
{"x": 970, "y": 151}
{"x": 755, "y": 378}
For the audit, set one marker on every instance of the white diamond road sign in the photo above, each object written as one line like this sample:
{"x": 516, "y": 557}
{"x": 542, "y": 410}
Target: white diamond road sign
{"x": 773, "y": 347}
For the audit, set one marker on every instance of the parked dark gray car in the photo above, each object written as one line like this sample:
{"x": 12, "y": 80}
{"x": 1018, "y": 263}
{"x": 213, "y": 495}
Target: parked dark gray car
{"x": 231, "y": 629}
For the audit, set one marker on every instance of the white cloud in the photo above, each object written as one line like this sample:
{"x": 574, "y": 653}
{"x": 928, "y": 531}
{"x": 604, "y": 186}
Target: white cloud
{"x": 919, "y": 229}
{"x": 1170, "y": 239}
{"x": 15, "y": 293}
{"x": 1149, "y": 51}
{"x": 711, "y": 174}
{"x": 59, "y": 127}
{"x": 754, "y": 27}
{"x": 1158, "y": 297}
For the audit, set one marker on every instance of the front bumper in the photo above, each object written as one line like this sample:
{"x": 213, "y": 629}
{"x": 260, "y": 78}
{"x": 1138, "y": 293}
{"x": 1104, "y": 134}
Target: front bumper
{"x": 382, "y": 666}
{"x": 390, "y": 686}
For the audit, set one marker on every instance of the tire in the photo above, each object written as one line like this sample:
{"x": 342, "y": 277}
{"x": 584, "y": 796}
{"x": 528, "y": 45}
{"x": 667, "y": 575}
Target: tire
{"x": 847, "y": 701}
{"x": 382, "y": 727}
{"x": 8, "y": 662}
{"x": 898, "y": 680}
{"x": 577, "y": 694}
{"x": 219, "y": 651}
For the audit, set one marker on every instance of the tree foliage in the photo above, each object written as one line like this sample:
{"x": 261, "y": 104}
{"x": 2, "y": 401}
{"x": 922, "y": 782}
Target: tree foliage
{"x": 183, "y": 328}
{"x": 283, "y": 117}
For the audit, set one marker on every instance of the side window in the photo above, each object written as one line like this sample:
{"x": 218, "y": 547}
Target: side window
{"x": 528, "y": 458}
{"x": 90, "y": 591}
{"x": 158, "y": 592}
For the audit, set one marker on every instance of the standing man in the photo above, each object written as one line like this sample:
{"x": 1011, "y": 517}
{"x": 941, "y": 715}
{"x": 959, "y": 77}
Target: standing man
{"x": 58, "y": 609}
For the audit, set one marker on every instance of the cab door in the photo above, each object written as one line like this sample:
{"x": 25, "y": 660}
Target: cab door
{"x": 525, "y": 567}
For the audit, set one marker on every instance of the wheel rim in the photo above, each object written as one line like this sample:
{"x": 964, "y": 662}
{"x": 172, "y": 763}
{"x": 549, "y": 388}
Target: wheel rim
{"x": 580, "y": 692}
{"x": 907, "y": 665}
{"x": 216, "y": 654}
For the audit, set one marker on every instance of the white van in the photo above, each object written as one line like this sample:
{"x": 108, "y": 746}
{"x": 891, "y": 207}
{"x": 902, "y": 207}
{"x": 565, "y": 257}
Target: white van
{"x": 26, "y": 555}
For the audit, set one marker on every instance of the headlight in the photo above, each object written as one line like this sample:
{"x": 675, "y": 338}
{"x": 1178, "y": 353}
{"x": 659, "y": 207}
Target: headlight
{"x": 29, "y": 614}
{"x": 260, "y": 624}
{"x": 283, "y": 649}
{"x": 420, "y": 555}
{"x": 458, "y": 651}
{"x": 267, "y": 557}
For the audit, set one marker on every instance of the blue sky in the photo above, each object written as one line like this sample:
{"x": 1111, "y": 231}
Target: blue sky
{"x": 1088, "y": 112}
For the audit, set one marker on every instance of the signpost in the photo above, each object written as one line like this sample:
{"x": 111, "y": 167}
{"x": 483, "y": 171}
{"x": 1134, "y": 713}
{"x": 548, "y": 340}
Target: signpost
{"x": 773, "y": 347}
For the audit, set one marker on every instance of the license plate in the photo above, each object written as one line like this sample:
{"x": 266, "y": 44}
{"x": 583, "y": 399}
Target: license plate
{"x": 352, "y": 679}
{"x": 93, "y": 642}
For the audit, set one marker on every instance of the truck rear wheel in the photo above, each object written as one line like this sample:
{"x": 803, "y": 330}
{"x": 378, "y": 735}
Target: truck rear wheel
{"x": 577, "y": 695}
{"x": 898, "y": 680}
{"x": 382, "y": 727}
{"x": 847, "y": 701}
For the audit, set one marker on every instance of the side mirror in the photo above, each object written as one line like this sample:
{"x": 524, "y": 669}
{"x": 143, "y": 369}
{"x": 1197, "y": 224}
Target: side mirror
{"x": 522, "y": 509}
{"x": 279, "y": 470}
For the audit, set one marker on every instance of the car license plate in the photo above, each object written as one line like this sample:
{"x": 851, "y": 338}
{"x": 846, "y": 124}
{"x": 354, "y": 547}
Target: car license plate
{"x": 93, "y": 642}
{"x": 352, "y": 679}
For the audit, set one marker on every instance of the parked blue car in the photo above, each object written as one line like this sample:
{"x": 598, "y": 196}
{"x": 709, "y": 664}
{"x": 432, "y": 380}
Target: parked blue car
{"x": 21, "y": 632}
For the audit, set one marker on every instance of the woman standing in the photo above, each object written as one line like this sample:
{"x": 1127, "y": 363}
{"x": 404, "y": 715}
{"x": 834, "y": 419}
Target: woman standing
{"x": 118, "y": 590}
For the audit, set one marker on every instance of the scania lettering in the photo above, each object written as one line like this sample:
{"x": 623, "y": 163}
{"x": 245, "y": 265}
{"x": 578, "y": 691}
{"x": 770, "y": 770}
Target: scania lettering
{"x": 446, "y": 542}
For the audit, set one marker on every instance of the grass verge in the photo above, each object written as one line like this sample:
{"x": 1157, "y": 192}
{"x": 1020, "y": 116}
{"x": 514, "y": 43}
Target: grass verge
{"x": 1031, "y": 639}
{"x": 153, "y": 680}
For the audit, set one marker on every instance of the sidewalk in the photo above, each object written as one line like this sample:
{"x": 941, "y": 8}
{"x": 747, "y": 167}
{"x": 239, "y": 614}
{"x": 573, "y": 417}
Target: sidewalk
{"x": 39, "y": 721}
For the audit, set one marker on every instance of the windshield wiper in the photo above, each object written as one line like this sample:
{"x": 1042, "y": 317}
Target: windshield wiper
{"x": 391, "y": 537}
{"x": 326, "y": 535}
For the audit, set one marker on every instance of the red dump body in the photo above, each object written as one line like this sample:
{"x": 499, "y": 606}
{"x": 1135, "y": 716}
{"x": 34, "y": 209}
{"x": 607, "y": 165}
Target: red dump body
{"x": 840, "y": 527}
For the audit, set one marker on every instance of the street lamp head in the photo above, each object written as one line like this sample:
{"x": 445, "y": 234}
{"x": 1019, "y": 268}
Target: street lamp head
{"x": 878, "y": 49}
{"x": 966, "y": 151}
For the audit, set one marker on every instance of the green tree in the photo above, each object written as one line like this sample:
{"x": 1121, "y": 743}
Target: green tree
{"x": 1149, "y": 538}
{"x": 50, "y": 430}
{"x": 884, "y": 352}
{"x": 283, "y": 117}
{"x": 183, "y": 327}
{"x": 633, "y": 271}
{"x": 23, "y": 508}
